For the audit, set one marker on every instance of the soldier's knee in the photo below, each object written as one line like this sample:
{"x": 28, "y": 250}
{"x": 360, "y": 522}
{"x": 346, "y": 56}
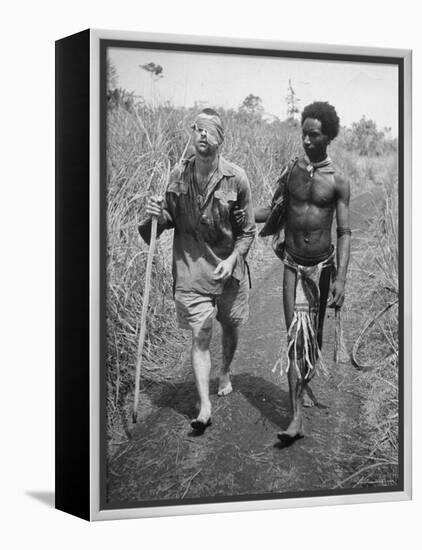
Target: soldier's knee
{"x": 201, "y": 338}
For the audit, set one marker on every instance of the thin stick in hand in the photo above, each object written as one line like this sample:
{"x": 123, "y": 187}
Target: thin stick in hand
{"x": 145, "y": 303}
{"x": 144, "y": 312}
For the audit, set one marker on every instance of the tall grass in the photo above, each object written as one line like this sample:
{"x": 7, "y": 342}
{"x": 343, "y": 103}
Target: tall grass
{"x": 141, "y": 141}
{"x": 374, "y": 285}
{"x": 362, "y": 172}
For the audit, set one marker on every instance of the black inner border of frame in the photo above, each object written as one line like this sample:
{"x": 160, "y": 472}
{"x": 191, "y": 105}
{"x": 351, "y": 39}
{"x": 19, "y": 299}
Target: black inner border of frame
{"x": 275, "y": 53}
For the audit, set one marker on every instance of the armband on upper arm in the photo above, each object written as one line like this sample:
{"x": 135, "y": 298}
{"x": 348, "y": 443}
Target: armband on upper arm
{"x": 343, "y": 231}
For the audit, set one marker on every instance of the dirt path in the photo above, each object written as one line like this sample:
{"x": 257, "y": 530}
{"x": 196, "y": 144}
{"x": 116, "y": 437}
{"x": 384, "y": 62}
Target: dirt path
{"x": 239, "y": 454}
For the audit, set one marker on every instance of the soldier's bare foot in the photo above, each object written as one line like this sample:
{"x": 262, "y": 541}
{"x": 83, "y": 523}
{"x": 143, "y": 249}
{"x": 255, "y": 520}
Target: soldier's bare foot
{"x": 293, "y": 432}
{"x": 203, "y": 420}
{"x": 224, "y": 385}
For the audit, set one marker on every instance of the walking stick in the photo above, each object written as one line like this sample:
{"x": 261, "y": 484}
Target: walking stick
{"x": 145, "y": 303}
{"x": 146, "y": 297}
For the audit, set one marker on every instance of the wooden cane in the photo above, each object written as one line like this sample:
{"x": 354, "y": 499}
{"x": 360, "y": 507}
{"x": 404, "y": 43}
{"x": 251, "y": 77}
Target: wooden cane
{"x": 144, "y": 312}
{"x": 145, "y": 303}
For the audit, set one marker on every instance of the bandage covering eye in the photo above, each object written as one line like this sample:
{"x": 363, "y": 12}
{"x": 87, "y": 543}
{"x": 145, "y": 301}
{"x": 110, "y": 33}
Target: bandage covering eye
{"x": 213, "y": 127}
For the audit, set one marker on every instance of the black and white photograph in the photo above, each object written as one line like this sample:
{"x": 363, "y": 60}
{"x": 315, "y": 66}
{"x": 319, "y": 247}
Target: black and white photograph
{"x": 210, "y": 294}
{"x": 252, "y": 260}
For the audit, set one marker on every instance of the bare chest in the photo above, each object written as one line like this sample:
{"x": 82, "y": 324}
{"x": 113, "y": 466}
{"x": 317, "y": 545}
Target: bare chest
{"x": 318, "y": 190}
{"x": 202, "y": 182}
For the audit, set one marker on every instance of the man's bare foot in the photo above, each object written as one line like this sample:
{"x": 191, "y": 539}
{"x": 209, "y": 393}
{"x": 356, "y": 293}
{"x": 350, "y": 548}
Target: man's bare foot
{"x": 224, "y": 385}
{"x": 203, "y": 420}
{"x": 204, "y": 412}
{"x": 293, "y": 432}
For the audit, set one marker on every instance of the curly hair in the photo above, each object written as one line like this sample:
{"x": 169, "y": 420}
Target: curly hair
{"x": 323, "y": 111}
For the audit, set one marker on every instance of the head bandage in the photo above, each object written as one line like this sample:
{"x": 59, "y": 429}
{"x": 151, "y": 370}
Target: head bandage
{"x": 212, "y": 125}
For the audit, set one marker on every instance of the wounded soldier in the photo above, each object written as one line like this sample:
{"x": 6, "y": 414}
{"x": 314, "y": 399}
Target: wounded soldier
{"x": 209, "y": 251}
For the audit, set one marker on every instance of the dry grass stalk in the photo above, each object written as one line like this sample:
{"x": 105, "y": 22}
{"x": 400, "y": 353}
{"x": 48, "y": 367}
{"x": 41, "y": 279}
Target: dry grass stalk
{"x": 340, "y": 350}
{"x": 380, "y": 361}
{"x": 373, "y": 290}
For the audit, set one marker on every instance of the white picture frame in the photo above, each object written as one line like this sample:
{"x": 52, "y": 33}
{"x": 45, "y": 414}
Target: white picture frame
{"x": 88, "y": 50}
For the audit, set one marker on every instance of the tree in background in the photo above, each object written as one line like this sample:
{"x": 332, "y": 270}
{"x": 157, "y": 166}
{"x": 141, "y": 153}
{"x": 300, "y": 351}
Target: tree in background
{"x": 116, "y": 96}
{"x": 155, "y": 70}
{"x": 365, "y": 138}
{"x": 292, "y": 102}
{"x": 112, "y": 75}
{"x": 252, "y": 105}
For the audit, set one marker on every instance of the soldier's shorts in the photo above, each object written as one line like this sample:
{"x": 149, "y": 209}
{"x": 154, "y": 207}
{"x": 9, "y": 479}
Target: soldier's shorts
{"x": 196, "y": 311}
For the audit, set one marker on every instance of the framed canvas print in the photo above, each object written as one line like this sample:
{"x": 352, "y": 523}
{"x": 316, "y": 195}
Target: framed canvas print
{"x": 233, "y": 274}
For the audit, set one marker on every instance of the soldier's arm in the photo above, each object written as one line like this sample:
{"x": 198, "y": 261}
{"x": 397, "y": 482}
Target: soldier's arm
{"x": 247, "y": 230}
{"x": 234, "y": 264}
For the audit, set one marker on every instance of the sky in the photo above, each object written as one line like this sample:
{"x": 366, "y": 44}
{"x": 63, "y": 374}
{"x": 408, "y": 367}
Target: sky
{"x": 355, "y": 89}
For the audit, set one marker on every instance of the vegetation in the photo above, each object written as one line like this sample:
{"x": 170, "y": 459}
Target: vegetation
{"x": 376, "y": 350}
{"x": 292, "y": 102}
{"x": 142, "y": 140}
